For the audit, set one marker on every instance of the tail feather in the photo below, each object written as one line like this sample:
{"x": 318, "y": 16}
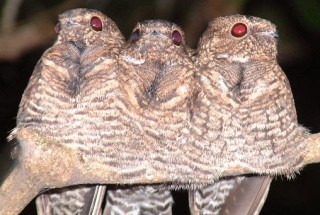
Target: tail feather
{"x": 138, "y": 200}
{"x": 235, "y": 195}
{"x": 82, "y": 200}
{"x": 248, "y": 197}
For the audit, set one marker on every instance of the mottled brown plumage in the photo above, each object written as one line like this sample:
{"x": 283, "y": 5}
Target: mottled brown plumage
{"x": 232, "y": 195}
{"x": 65, "y": 78}
{"x": 156, "y": 88}
{"x": 260, "y": 121}
{"x": 66, "y": 95}
{"x": 140, "y": 115}
{"x": 156, "y": 80}
{"x": 136, "y": 200}
{"x": 151, "y": 98}
{"x": 246, "y": 108}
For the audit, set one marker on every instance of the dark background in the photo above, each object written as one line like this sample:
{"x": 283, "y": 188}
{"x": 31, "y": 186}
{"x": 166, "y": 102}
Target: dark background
{"x": 25, "y": 35}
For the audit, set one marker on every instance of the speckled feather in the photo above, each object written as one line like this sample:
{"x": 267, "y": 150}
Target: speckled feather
{"x": 210, "y": 199}
{"x": 156, "y": 82}
{"x": 152, "y": 106}
{"x": 145, "y": 106}
{"x": 68, "y": 78}
{"x": 257, "y": 113}
{"x": 66, "y": 83}
{"x": 246, "y": 110}
{"x": 137, "y": 200}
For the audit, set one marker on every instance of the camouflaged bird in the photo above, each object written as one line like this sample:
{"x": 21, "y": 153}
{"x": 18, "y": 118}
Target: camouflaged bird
{"x": 246, "y": 110}
{"x": 156, "y": 80}
{"x": 66, "y": 95}
{"x": 156, "y": 87}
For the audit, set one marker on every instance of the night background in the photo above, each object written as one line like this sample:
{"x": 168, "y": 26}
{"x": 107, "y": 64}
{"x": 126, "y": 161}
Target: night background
{"x": 27, "y": 30}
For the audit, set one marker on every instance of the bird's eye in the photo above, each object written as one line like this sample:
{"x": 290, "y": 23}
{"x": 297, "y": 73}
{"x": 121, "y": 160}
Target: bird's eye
{"x": 239, "y": 30}
{"x": 57, "y": 27}
{"x": 135, "y": 36}
{"x": 96, "y": 23}
{"x": 176, "y": 38}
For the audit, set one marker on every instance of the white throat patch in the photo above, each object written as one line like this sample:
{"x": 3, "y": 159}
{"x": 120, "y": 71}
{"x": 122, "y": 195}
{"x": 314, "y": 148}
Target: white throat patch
{"x": 132, "y": 60}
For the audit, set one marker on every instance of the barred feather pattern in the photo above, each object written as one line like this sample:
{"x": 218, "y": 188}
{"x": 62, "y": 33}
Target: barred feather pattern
{"x": 136, "y": 111}
{"x": 84, "y": 91}
{"x": 210, "y": 199}
{"x": 70, "y": 86}
{"x": 65, "y": 201}
{"x": 138, "y": 200}
{"x": 155, "y": 106}
{"x": 246, "y": 110}
{"x": 113, "y": 119}
{"x": 233, "y": 195}
{"x": 107, "y": 109}
{"x": 66, "y": 93}
{"x": 155, "y": 96}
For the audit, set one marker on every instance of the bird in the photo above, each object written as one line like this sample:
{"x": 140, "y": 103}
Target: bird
{"x": 146, "y": 96}
{"x": 246, "y": 109}
{"x": 156, "y": 86}
{"x": 65, "y": 96}
{"x": 156, "y": 78}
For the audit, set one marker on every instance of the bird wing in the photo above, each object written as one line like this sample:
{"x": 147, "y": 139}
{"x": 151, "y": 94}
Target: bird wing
{"x": 235, "y": 195}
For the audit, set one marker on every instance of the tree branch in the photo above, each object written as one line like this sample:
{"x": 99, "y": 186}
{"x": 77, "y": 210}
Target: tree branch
{"x": 314, "y": 149}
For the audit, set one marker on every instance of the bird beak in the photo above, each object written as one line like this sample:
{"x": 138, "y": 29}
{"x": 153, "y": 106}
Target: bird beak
{"x": 273, "y": 34}
{"x": 156, "y": 33}
{"x": 71, "y": 23}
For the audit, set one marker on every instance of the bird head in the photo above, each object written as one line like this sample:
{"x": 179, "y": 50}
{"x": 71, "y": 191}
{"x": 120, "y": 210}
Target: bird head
{"x": 240, "y": 39}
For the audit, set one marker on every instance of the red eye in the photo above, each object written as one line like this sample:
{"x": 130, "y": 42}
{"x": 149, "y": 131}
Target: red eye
{"x": 96, "y": 23}
{"x": 135, "y": 36}
{"x": 239, "y": 30}
{"x": 57, "y": 27}
{"x": 176, "y": 38}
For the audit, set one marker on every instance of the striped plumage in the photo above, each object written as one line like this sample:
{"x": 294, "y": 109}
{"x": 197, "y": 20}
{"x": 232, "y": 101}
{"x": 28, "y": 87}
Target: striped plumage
{"x": 258, "y": 115}
{"x": 71, "y": 200}
{"x": 156, "y": 81}
{"x": 66, "y": 94}
{"x": 77, "y": 92}
{"x": 72, "y": 82}
{"x": 136, "y": 200}
{"x": 210, "y": 199}
{"x": 234, "y": 195}
{"x": 150, "y": 102}
{"x": 157, "y": 84}
{"x": 246, "y": 109}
